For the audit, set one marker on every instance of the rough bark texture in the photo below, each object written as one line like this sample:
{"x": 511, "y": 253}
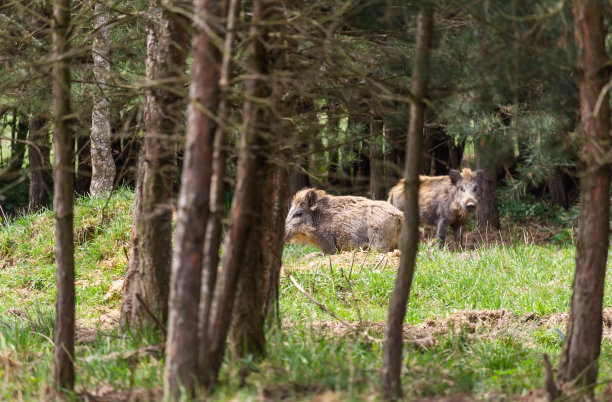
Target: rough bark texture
{"x": 102, "y": 163}
{"x": 582, "y": 344}
{"x": 40, "y": 169}
{"x": 63, "y": 352}
{"x": 193, "y": 206}
{"x": 487, "y": 213}
{"x": 148, "y": 275}
{"x": 392, "y": 352}
{"x": 562, "y": 188}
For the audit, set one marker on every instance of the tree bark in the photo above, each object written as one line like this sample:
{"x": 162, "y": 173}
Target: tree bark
{"x": 40, "y": 169}
{"x": 63, "y": 352}
{"x": 193, "y": 206}
{"x": 103, "y": 165}
{"x": 148, "y": 274}
{"x": 240, "y": 293}
{"x": 217, "y": 195}
{"x": 487, "y": 215}
{"x": 581, "y": 348}
{"x": 392, "y": 352}
{"x": 378, "y": 183}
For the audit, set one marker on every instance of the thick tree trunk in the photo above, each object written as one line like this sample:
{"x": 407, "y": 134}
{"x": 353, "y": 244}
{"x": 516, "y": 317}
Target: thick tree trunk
{"x": 392, "y": 352}
{"x": 102, "y": 163}
{"x": 487, "y": 214}
{"x": 556, "y": 188}
{"x": 40, "y": 169}
{"x": 63, "y": 352}
{"x": 148, "y": 275}
{"x": 581, "y": 348}
{"x": 182, "y": 344}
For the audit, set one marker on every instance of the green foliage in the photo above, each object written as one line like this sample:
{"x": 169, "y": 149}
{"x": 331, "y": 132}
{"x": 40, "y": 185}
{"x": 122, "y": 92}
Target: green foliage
{"x": 520, "y": 209}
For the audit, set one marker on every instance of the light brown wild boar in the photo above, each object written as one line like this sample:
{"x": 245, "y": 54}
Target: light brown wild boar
{"x": 335, "y": 223}
{"x": 444, "y": 200}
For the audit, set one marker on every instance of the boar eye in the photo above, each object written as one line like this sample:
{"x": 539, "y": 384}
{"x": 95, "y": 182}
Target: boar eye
{"x": 298, "y": 214}
{"x": 461, "y": 188}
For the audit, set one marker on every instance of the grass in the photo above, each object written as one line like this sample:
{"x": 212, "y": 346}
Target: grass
{"x": 462, "y": 349}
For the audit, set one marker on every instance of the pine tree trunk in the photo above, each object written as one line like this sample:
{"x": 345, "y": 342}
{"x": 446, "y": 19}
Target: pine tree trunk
{"x": 40, "y": 169}
{"x": 487, "y": 213}
{"x": 378, "y": 184}
{"x": 581, "y": 348}
{"x": 275, "y": 213}
{"x": 392, "y": 352}
{"x": 182, "y": 343}
{"x": 243, "y": 259}
{"x": 217, "y": 195}
{"x": 148, "y": 275}
{"x": 103, "y": 165}
{"x": 63, "y": 352}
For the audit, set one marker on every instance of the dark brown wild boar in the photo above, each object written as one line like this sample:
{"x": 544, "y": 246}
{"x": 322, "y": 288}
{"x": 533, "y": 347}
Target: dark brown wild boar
{"x": 444, "y": 200}
{"x": 335, "y": 223}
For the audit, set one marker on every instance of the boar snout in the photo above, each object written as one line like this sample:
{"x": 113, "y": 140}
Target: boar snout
{"x": 470, "y": 206}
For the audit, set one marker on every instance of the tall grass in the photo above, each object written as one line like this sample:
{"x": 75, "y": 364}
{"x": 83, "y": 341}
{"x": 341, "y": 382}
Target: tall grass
{"x": 311, "y": 353}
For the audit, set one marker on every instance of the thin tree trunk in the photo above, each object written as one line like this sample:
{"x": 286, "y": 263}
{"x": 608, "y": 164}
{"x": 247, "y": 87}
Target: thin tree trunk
{"x": 38, "y": 156}
{"x": 63, "y": 352}
{"x": 581, "y": 348}
{"x": 378, "y": 184}
{"x": 217, "y": 194}
{"x": 392, "y": 352}
{"x": 275, "y": 213}
{"x": 148, "y": 275}
{"x": 193, "y": 209}
{"x": 83, "y": 174}
{"x": 243, "y": 243}
{"x": 103, "y": 165}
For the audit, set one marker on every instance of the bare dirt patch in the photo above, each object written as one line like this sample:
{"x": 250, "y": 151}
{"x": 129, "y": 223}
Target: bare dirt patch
{"x": 481, "y": 323}
{"x": 108, "y": 393}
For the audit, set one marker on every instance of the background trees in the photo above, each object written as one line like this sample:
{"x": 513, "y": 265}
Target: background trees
{"x": 285, "y": 95}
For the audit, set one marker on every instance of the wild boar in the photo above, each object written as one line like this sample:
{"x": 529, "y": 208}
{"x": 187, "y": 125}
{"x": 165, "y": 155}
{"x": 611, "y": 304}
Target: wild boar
{"x": 335, "y": 223}
{"x": 444, "y": 200}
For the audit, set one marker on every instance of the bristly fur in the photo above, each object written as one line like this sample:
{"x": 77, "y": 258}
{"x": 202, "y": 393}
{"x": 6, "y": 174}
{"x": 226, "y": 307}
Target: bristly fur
{"x": 444, "y": 200}
{"x": 335, "y": 223}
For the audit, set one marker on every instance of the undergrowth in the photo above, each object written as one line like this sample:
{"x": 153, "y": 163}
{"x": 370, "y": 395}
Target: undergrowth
{"x": 311, "y": 353}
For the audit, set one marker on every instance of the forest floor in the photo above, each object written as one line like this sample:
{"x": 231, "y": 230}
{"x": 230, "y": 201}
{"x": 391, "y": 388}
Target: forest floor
{"x": 479, "y": 318}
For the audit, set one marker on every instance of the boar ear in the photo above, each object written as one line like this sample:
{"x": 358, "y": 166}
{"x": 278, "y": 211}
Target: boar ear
{"x": 311, "y": 199}
{"x": 480, "y": 176}
{"x": 455, "y": 176}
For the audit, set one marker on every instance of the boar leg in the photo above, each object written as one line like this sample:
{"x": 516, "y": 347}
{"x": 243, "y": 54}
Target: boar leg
{"x": 458, "y": 230}
{"x": 441, "y": 231}
{"x": 328, "y": 245}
